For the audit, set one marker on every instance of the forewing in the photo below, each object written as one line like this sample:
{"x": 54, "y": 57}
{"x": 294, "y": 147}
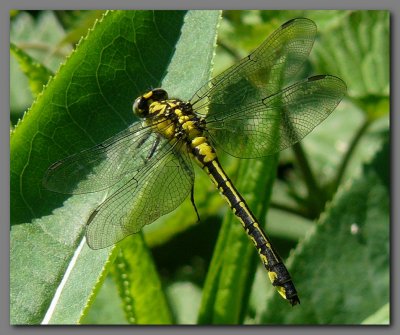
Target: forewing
{"x": 260, "y": 74}
{"x": 155, "y": 190}
{"x": 103, "y": 165}
{"x": 278, "y": 121}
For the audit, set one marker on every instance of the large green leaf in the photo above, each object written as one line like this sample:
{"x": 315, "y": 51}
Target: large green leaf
{"x": 342, "y": 268}
{"x": 89, "y": 99}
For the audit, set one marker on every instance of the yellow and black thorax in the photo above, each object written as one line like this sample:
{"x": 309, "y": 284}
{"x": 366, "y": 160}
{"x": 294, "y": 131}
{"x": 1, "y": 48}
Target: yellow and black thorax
{"x": 175, "y": 120}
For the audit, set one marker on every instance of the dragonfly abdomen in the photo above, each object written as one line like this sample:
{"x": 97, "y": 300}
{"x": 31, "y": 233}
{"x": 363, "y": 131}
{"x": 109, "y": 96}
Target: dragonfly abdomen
{"x": 277, "y": 272}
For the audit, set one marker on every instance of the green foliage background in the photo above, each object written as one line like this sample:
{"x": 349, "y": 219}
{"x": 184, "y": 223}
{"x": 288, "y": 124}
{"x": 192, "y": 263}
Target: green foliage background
{"x": 327, "y": 211}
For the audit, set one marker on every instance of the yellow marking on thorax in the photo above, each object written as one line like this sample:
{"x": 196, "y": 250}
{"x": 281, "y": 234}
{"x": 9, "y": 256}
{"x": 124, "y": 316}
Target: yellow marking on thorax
{"x": 165, "y": 128}
{"x": 198, "y": 140}
{"x": 172, "y": 104}
{"x": 183, "y": 119}
{"x": 178, "y": 113}
{"x": 148, "y": 95}
{"x": 190, "y": 127}
{"x": 162, "y": 125}
{"x": 157, "y": 108}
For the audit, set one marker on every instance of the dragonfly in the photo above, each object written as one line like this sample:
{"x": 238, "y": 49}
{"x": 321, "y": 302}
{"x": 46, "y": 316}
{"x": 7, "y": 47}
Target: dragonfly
{"x": 244, "y": 112}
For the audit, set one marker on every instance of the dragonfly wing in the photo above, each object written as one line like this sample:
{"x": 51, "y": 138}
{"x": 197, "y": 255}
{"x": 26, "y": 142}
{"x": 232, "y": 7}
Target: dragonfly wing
{"x": 155, "y": 190}
{"x": 260, "y": 74}
{"x": 278, "y": 121}
{"x": 103, "y": 165}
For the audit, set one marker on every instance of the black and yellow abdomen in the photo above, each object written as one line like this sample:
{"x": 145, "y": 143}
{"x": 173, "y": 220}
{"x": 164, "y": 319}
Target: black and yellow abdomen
{"x": 277, "y": 272}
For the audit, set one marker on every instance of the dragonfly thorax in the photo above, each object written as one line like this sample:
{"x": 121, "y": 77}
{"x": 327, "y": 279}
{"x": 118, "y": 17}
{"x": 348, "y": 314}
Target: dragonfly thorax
{"x": 175, "y": 120}
{"x": 172, "y": 118}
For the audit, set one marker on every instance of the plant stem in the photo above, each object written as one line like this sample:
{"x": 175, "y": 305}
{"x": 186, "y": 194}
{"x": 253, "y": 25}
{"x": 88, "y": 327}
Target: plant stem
{"x": 289, "y": 209}
{"x": 356, "y": 139}
{"x": 317, "y": 196}
{"x": 229, "y": 50}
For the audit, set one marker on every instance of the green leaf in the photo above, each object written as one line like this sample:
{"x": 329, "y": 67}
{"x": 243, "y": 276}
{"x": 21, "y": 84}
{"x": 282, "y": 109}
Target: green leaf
{"x": 138, "y": 284}
{"x": 185, "y": 300}
{"x": 51, "y": 276}
{"x": 37, "y": 74}
{"x": 77, "y": 22}
{"x": 88, "y": 100}
{"x": 355, "y": 47}
{"x": 37, "y": 37}
{"x": 107, "y": 307}
{"x": 380, "y": 317}
{"x": 341, "y": 270}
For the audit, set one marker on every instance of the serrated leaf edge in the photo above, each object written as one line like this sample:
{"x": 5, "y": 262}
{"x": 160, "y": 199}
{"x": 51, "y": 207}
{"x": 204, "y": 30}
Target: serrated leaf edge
{"x": 61, "y": 66}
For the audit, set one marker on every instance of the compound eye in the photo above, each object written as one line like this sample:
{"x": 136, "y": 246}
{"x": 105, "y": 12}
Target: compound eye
{"x": 138, "y": 106}
{"x": 159, "y": 94}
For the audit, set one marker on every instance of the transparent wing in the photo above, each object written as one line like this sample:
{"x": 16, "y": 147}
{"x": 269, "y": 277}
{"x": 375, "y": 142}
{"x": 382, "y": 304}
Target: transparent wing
{"x": 154, "y": 191}
{"x": 103, "y": 165}
{"x": 278, "y": 121}
{"x": 260, "y": 74}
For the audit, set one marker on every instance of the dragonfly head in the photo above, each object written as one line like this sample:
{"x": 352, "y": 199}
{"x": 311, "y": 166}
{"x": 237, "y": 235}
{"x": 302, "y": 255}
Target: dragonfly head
{"x": 142, "y": 103}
